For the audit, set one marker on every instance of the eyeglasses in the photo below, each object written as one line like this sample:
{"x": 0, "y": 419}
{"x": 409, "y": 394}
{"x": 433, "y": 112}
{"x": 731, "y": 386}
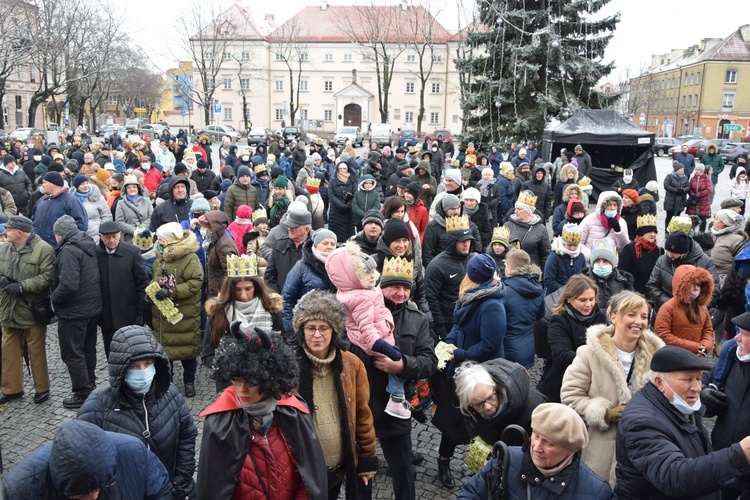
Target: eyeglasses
{"x": 324, "y": 330}
{"x": 489, "y": 400}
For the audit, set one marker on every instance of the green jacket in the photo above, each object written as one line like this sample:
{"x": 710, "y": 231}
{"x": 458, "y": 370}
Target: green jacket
{"x": 365, "y": 200}
{"x": 33, "y": 266}
{"x": 182, "y": 340}
{"x": 713, "y": 161}
{"x": 239, "y": 194}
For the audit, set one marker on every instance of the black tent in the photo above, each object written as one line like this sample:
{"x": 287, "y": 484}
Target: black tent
{"x": 612, "y": 141}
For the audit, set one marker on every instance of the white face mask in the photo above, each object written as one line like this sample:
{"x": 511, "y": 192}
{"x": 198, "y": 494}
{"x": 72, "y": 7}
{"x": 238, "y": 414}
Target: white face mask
{"x": 745, "y": 358}
{"x": 37, "y": 158}
{"x": 628, "y": 179}
{"x": 245, "y": 158}
{"x": 681, "y": 404}
{"x": 434, "y": 149}
{"x": 146, "y": 166}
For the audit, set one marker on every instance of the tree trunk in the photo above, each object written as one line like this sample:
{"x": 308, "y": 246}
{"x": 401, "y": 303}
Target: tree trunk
{"x": 207, "y": 112}
{"x": 420, "y": 116}
{"x": 2, "y": 98}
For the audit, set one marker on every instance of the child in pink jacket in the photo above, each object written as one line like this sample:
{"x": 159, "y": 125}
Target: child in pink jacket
{"x": 369, "y": 324}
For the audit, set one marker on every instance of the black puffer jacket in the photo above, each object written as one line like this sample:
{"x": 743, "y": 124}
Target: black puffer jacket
{"x": 616, "y": 282}
{"x": 542, "y": 191}
{"x": 19, "y": 186}
{"x": 676, "y": 189}
{"x": 659, "y": 285}
{"x": 482, "y": 220}
{"x": 206, "y": 180}
{"x": 171, "y": 210}
{"x": 115, "y": 407}
{"x": 442, "y": 281}
{"x": 436, "y": 239}
{"x": 75, "y": 284}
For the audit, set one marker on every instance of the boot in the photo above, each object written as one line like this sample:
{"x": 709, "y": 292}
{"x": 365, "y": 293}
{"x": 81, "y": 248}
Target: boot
{"x": 444, "y": 473}
{"x": 189, "y": 389}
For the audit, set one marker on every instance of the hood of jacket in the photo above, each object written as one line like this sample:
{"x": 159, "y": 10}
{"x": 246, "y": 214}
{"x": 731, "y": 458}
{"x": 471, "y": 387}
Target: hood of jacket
{"x": 367, "y": 177}
{"x": 425, "y": 165}
{"x": 218, "y": 222}
{"x": 346, "y": 269}
{"x": 537, "y": 168}
{"x": 684, "y": 277}
{"x": 135, "y": 343}
{"x": 712, "y": 145}
{"x": 526, "y": 281}
{"x": 176, "y": 179}
{"x": 177, "y": 250}
{"x": 80, "y": 240}
{"x": 495, "y": 290}
{"x": 514, "y": 379}
{"x": 83, "y": 459}
{"x": 604, "y": 198}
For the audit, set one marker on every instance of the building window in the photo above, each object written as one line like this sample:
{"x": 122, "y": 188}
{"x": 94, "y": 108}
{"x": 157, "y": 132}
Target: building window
{"x": 227, "y": 84}
{"x": 366, "y": 57}
{"x": 695, "y": 100}
{"x": 409, "y": 116}
{"x": 303, "y": 85}
{"x": 434, "y": 118}
{"x": 455, "y": 118}
{"x": 246, "y": 56}
{"x": 698, "y": 78}
{"x": 411, "y": 58}
{"x": 727, "y": 101}
{"x": 683, "y": 101}
{"x": 279, "y": 114}
{"x": 226, "y": 56}
{"x": 245, "y": 83}
{"x": 437, "y": 58}
{"x": 328, "y": 86}
{"x": 409, "y": 87}
{"x": 278, "y": 57}
{"x": 347, "y": 58}
{"x": 227, "y": 113}
{"x": 435, "y": 88}
{"x": 278, "y": 85}
{"x": 208, "y": 56}
{"x": 211, "y": 84}
{"x": 327, "y": 115}
{"x": 304, "y": 56}
{"x": 329, "y": 57}
{"x": 303, "y": 114}
{"x": 690, "y": 100}
{"x": 112, "y": 101}
{"x": 731, "y": 76}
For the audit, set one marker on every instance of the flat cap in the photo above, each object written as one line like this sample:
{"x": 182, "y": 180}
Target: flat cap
{"x": 671, "y": 358}
{"x": 109, "y": 227}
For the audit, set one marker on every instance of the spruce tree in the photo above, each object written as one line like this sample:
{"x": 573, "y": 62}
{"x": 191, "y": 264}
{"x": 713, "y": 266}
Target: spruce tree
{"x": 533, "y": 58}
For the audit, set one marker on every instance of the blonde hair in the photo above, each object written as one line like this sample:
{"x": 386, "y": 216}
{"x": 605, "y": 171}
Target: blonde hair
{"x": 466, "y": 285}
{"x": 624, "y": 302}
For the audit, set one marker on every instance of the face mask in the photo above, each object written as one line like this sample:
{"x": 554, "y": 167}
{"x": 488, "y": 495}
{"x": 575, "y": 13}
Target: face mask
{"x": 682, "y": 405}
{"x": 745, "y": 358}
{"x": 245, "y": 158}
{"x": 434, "y": 149}
{"x": 628, "y": 179}
{"x": 41, "y": 189}
{"x": 140, "y": 380}
{"x": 37, "y": 158}
{"x": 146, "y": 166}
{"x": 610, "y": 214}
{"x": 204, "y": 232}
{"x": 694, "y": 294}
{"x": 602, "y": 270}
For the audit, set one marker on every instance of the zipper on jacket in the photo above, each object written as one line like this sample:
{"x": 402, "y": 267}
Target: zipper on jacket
{"x": 147, "y": 432}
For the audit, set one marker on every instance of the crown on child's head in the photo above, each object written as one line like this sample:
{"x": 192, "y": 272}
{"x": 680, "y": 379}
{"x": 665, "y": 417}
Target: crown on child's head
{"x": 313, "y": 182}
{"x": 571, "y": 234}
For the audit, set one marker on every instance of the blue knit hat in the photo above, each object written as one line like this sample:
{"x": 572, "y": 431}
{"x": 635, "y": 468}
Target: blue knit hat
{"x": 481, "y": 268}
{"x": 200, "y": 205}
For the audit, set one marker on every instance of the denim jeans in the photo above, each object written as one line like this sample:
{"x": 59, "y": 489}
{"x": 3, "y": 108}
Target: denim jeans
{"x": 395, "y": 386}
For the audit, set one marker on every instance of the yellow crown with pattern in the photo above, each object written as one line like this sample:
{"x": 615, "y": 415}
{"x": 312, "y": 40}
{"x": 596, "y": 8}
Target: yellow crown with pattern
{"x": 528, "y": 197}
{"x": 584, "y": 181}
{"x": 261, "y": 212}
{"x": 455, "y": 163}
{"x": 646, "y": 220}
{"x": 682, "y": 223}
{"x": 398, "y": 268}
{"x": 143, "y": 239}
{"x": 501, "y": 234}
{"x": 312, "y": 182}
{"x": 242, "y": 266}
{"x": 457, "y": 223}
{"x": 571, "y": 234}
{"x": 414, "y": 149}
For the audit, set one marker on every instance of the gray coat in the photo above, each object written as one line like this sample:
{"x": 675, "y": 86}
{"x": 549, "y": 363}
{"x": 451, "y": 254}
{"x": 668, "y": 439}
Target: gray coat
{"x": 131, "y": 216}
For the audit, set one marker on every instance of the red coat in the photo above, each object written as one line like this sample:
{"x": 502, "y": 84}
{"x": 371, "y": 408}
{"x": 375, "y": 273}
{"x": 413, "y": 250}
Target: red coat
{"x": 700, "y": 187}
{"x": 418, "y": 215}
{"x": 151, "y": 179}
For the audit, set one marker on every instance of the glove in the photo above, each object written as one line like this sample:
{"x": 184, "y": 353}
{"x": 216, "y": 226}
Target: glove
{"x": 614, "y": 224}
{"x": 163, "y": 293}
{"x": 613, "y": 415}
{"x": 382, "y": 347}
{"x": 714, "y": 399}
{"x": 4, "y": 282}
{"x": 15, "y": 289}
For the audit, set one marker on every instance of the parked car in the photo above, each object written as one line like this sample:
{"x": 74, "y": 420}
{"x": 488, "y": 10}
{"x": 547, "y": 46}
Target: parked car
{"x": 133, "y": 125}
{"x": 314, "y": 139}
{"x": 444, "y": 132}
{"x": 662, "y": 145}
{"x": 258, "y": 135}
{"x": 731, "y": 151}
{"x": 353, "y": 134}
{"x": 685, "y": 138}
{"x": 3, "y": 135}
{"x": 408, "y": 137}
{"x": 53, "y": 127}
{"x": 380, "y": 133}
{"x": 692, "y": 145}
{"x": 154, "y": 131}
{"x": 217, "y": 132}
{"x": 294, "y": 134}
{"x": 25, "y": 133}
{"x": 720, "y": 143}
{"x": 121, "y": 131}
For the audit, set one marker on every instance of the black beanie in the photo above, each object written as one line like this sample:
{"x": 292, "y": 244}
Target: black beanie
{"x": 678, "y": 242}
{"x": 413, "y": 189}
{"x": 54, "y": 178}
{"x": 395, "y": 229}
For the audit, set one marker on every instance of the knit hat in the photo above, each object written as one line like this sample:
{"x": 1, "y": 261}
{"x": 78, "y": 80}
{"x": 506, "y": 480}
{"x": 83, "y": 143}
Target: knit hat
{"x": 322, "y": 234}
{"x": 574, "y": 207}
{"x": 373, "y": 216}
{"x": 700, "y": 168}
{"x": 676, "y": 165}
{"x": 731, "y": 202}
{"x": 413, "y": 189}
{"x": 88, "y": 156}
{"x": 281, "y": 182}
{"x": 488, "y": 170}
{"x": 200, "y": 205}
{"x": 578, "y": 148}
{"x": 521, "y": 151}
{"x": 571, "y": 234}
{"x": 243, "y": 170}
{"x": 64, "y": 226}
{"x": 652, "y": 186}
{"x": 201, "y": 163}
{"x": 209, "y": 194}
{"x": 403, "y": 165}
{"x": 481, "y": 268}
{"x": 682, "y": 224}
{"x": 309, "y": 162}
{"x": 56, "y": 166}
{"x": 678, "y": 242}
{"x": 454, "y": 175}
{"x": 395, "y": 229}
{"x": 322, "y": 306}
{"x": 501, "y": 234}
{"x": 46, "y": 160}
{"x": 169, "y": 232}
{"x": 604, "y": 249}
{"x": 54, "y": 178}
{"x": 8, "y": 159}
{"x": 645, "y": 224}
{"x": 561, "y": 424}
{"x": 78, "y": 180}
{"x": 403, "y": 182}
{"x": 672, "y": 358}
{"x": 449, "y": 201}
{"x": 472, "y": 194}
{"x": 632, "y": 194}
{"x": 730, "y": 218}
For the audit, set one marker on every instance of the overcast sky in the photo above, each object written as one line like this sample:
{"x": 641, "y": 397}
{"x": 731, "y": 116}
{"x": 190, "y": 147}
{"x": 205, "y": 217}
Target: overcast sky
{"x": 646, "y": 27}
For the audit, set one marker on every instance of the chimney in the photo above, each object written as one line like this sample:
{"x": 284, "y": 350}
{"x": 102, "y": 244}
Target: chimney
{"x": 404, "y": 5}
{"x": 324, "y": 6}
{"x": 745, "y": 32}
{"x": 270, "y": 19}
{"x": 675, "y": 54}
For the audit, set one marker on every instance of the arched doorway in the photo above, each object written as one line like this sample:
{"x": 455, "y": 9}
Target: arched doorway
{"x": 352, "y": 115}
{"x": 720, "y": 133}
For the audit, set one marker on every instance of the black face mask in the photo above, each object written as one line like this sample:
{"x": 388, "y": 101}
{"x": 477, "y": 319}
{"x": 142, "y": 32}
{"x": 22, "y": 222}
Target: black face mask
{"x": 577, "y": 220}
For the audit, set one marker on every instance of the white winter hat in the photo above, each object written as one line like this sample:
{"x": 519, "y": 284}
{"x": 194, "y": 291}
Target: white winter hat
{"x": 169, "y": 232}
{"x": 472, "y": 194}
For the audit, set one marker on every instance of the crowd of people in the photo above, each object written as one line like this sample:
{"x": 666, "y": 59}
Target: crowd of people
{"x": 335, "y": 296}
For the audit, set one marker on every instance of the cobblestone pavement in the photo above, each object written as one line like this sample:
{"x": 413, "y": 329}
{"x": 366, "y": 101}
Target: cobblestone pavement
{"x": 25, "y": 426}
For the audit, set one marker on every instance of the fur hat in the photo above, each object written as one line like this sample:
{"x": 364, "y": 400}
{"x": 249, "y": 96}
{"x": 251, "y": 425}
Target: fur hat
{"x": 562, "y": 425}
{"x": 319, "y": 305}
{"x": 685, "y": 276}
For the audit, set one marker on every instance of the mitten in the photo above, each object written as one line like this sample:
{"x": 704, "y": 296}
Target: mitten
{"x": 614, "y": 224}
{"x": 163, "y": 293}
{"x": 613, "y": 415}
{"x": 386, "y": 349}
{"x": 714, "y": 399}
{"x": 15, "y": 289}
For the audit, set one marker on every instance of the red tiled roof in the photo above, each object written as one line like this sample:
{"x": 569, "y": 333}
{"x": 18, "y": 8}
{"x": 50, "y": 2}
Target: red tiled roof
{"x": 244, "y": 25}
{"x": 352, "y": 23}
{"x": 732, "y": 48}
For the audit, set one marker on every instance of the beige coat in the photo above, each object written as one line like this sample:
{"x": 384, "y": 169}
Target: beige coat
{"x": 595, "y": 382}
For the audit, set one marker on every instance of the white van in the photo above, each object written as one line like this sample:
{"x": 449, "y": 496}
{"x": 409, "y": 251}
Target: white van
{"x": 381, "y": 134}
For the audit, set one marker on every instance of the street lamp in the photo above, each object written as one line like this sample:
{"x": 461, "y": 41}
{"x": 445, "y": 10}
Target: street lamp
{"x": 565, "y": 113}
{"x": 498, "y": 103}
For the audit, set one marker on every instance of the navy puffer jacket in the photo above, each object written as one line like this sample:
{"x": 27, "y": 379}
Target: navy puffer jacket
{"x": 115, "y": 407}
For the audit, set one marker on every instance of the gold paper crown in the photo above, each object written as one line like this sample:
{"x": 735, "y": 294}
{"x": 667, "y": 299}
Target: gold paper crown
{"x": 261, "y": 212}
{"x": 584, "y": 181}
{"x": 143, "y": 240}
{"x": 605, "y": 245}
{"x": 571, "y": 234}
{"x": 242, "y": 266}
{"x": 528, "y": 197}
{"x": 271, "y": 158}
{"x": 646, "y": 220}
{"x": 260, "y": 168}
{"x": 397, "y": 267}
{"x": 683, "y": 223}
{"x": 414, "y": 149}
{"x": 455, "y": 163}
{"x": 457, "y": 223}
{"x": 312, "y": 182}
{"x": 501, "y": 234}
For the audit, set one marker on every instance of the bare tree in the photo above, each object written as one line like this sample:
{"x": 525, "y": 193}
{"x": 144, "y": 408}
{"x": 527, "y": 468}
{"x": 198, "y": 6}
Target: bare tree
{"x": 378, "y": 33}
{"x": 16, "y": 40}
{"x": 288, "y": 47}
{"x": 245, "y": 67}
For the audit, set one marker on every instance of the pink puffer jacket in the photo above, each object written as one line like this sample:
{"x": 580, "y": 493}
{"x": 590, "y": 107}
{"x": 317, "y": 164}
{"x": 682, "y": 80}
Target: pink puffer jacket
{"x": 592, "y": 229}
